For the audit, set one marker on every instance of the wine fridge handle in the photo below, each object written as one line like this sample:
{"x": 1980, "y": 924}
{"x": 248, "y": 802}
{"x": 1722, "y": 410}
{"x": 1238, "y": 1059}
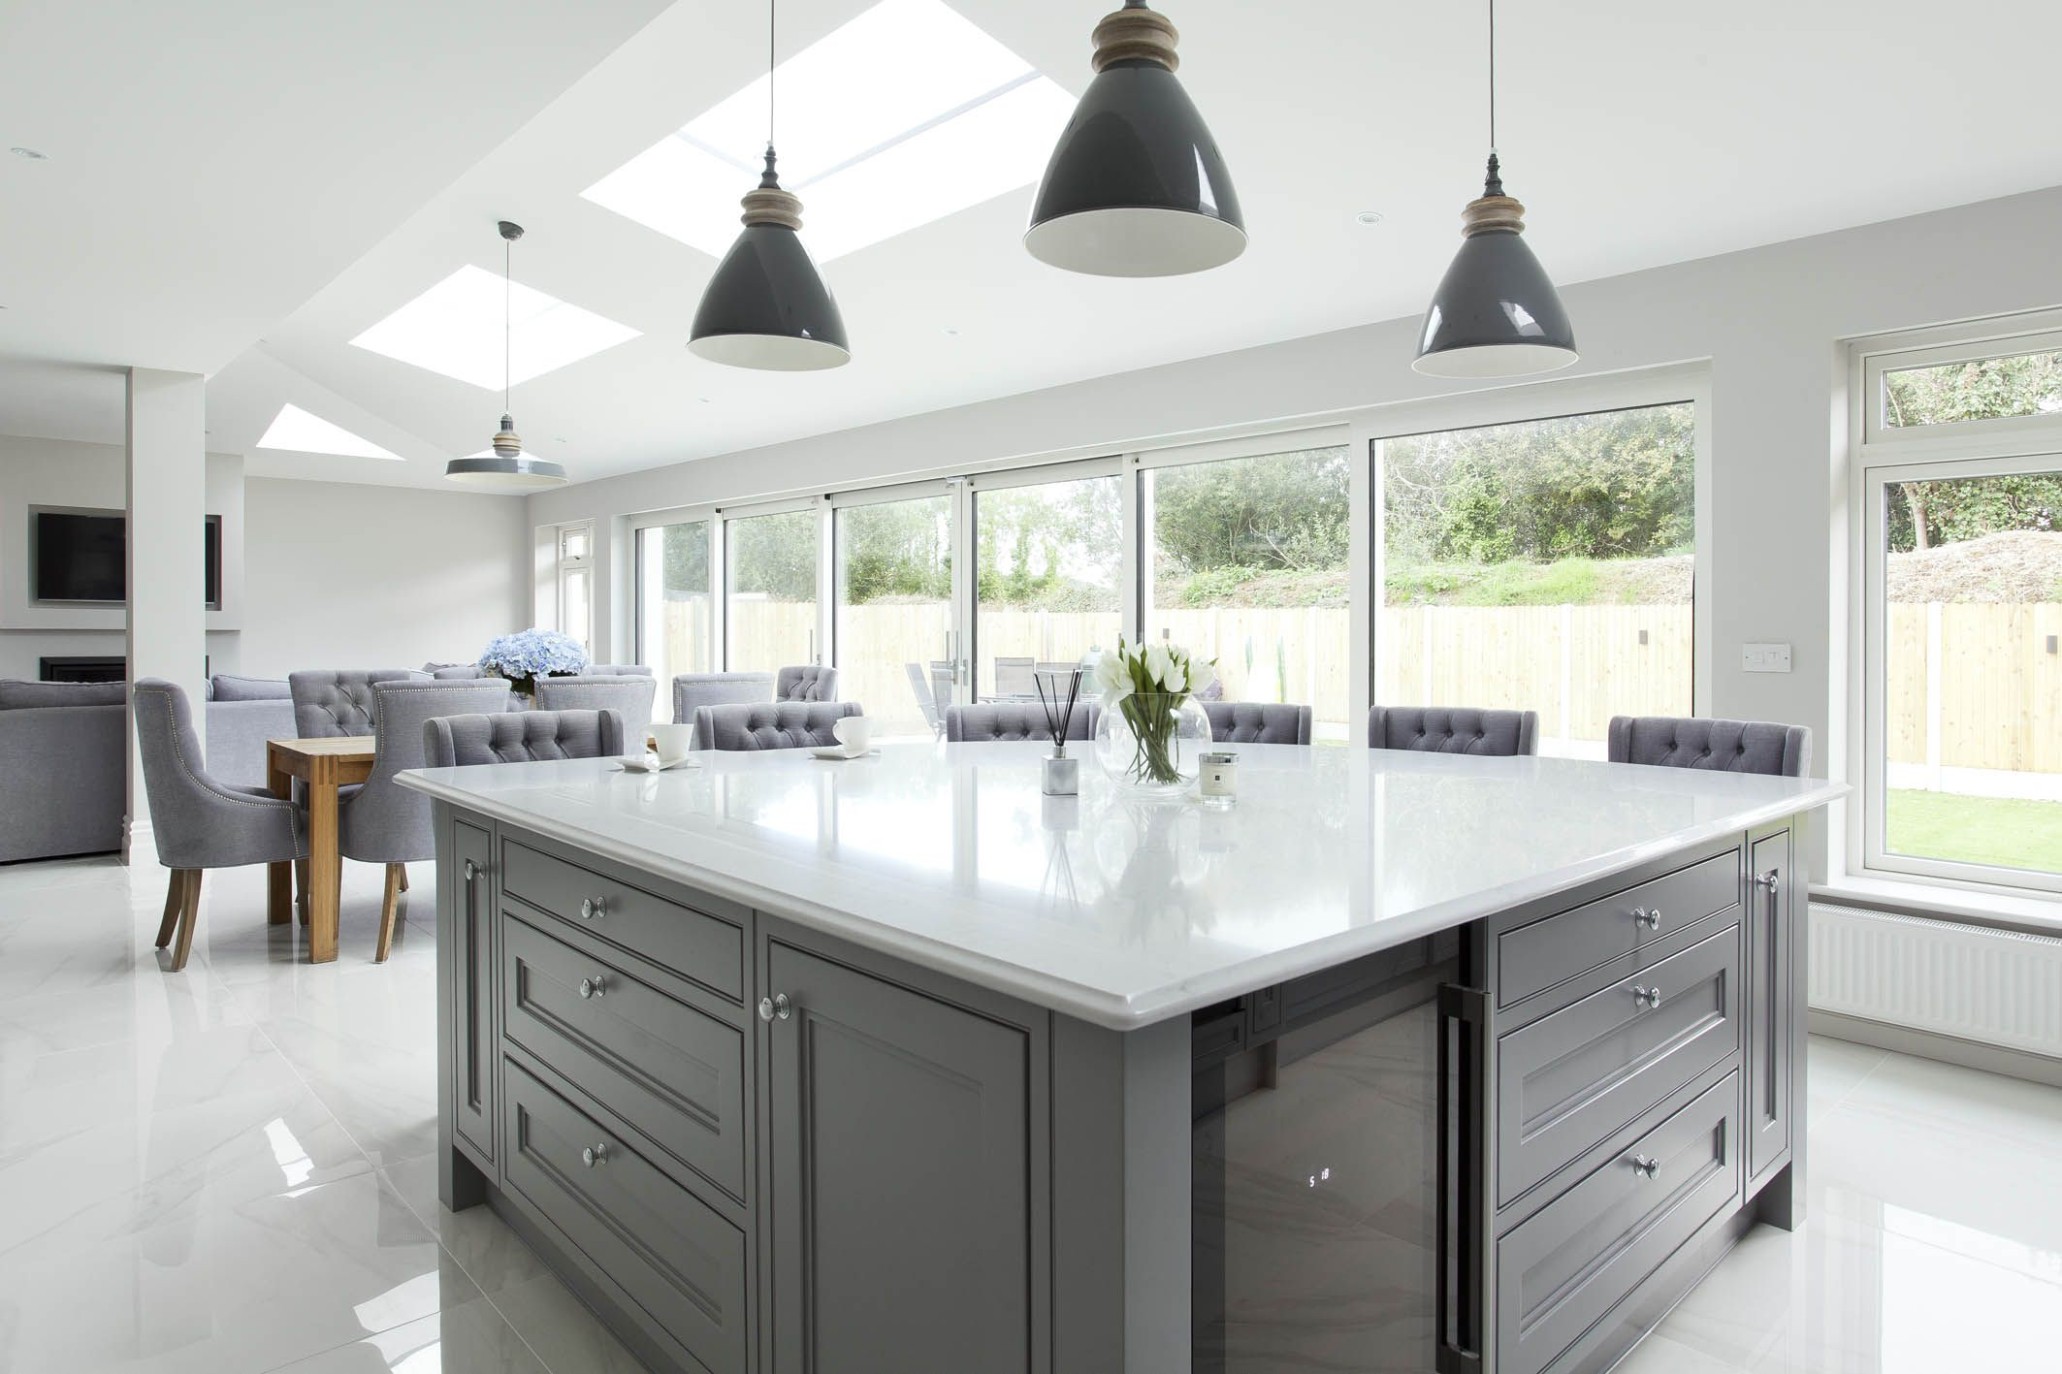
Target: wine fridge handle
{"x": 1458, "y": 1285}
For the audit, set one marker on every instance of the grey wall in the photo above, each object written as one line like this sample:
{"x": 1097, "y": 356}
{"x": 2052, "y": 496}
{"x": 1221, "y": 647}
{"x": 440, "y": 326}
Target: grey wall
{"x": 349, "y": 576}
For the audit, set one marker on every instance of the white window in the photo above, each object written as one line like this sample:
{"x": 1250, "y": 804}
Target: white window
{"x": 1959, "y": 490}
{"x": 576, "y": 582}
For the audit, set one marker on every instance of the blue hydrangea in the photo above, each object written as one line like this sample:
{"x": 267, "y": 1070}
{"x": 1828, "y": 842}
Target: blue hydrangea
{"x": 534, "y": 653}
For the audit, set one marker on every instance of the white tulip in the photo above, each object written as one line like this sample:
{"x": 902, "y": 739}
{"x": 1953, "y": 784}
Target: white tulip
{"x": 1202, "y": 672}
{"x": 1161, "y": 669}
{"x": 1112, "y": 679}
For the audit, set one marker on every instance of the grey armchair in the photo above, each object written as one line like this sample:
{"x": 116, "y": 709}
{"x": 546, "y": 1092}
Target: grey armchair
{"x": 771, "y": 725}
{"x": 1008, "y": 720}
{"x": 1726, "y": 746}
{"x": 521, "y": 737}
{"x": 338, "y": 701}
{"x": 200, "y": 823}
{"x": 383, "y": 822}
{"x": 1453, "y": 730}
{"x": 1257, "y": 722}
{"x": 692, "y": 691}
{"x": 806, "y": 682}
{"x": 622, "y": 692}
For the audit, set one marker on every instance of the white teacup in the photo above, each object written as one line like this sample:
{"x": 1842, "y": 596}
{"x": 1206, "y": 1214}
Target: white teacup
{"x": 854, "y": 733}
{"x": 674, "y": 741}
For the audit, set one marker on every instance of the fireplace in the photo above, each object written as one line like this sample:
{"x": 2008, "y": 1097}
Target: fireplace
{"x": 83, "y": 668}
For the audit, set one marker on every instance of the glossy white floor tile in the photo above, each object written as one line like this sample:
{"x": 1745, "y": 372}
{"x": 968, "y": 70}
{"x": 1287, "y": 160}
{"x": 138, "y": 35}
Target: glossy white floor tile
{"x": 231, "y": 1169}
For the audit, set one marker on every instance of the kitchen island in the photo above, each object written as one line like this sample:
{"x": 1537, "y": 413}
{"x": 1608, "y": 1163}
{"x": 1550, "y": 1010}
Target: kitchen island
{"x": 1405, "y": 1062}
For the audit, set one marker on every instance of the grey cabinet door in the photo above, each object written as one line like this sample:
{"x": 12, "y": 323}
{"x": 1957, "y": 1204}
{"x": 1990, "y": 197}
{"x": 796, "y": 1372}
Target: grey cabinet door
{"x": 898, "y": 1178}
{"x": 1771, "y": 1005}
{"x": 474, "y": 1056}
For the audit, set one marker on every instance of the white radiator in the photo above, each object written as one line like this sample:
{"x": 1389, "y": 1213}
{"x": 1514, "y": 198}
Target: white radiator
{"x": 1996, "y": 987}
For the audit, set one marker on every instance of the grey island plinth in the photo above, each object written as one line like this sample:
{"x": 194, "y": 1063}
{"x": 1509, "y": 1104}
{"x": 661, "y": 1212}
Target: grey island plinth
{"x": 1406, "y": 1062}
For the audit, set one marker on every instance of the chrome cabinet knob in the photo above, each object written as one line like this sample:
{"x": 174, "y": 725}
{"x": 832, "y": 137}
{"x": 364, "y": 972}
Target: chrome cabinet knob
{"x": 776, "y": 1007}
{"x": 1769, "y": 881}
{"x": 593, "y": 987}
{"x": 599, "y": 1154}
{"x": 1647, "y": 997}
{"x": 1645, "y": 1165}
{"x": 1641, "y": 916}
{"x": 472, "y": 870}
{"x": 593, "y": 908}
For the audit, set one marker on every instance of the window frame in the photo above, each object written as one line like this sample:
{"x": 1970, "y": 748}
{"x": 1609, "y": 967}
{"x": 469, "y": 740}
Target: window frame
{"x": 565, "y": 564}
{"x": 662, "y": 519}
{"x": 1881, "y": 457}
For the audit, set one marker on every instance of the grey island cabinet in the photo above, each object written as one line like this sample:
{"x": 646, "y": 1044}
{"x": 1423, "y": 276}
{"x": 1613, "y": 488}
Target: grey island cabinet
{"x": 1406, "y": 1062}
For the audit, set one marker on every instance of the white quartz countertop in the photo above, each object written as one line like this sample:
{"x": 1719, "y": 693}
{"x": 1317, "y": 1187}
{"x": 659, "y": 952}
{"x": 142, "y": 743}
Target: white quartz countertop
{"x": 1118, "y": 912}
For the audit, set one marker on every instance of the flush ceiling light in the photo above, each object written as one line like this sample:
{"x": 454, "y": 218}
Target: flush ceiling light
{"x": 449, "y": 330}
{"x": 1496, "y": 313}
{"x": 296, "y": 431}
{"x": 767, "y": 307}
{"x": 1136, "y": 186}
{"x": 873, "y": 110}
{"x": 508, "y": 468}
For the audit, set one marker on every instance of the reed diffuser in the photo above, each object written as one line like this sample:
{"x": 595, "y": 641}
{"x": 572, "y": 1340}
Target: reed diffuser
{"x": 1059, "y": 692}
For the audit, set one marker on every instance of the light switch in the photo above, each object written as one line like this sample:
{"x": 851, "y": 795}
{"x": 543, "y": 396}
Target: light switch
{"x": 1765, "y": 658}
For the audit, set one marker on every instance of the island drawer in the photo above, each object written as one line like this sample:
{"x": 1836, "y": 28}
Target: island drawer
{"x": 679, "y": 1262}
{"x": 1583, "y": 1253}
{"x": 694, "y": 944}
{"x": 1567, "y": 1081}
{"x": 669, "y": 1070}
{"x": 1535, "y": 957}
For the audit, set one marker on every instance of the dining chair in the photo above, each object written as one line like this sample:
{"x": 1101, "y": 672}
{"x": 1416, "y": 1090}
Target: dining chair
{"x": 692, "y": 691}
{"x": 944, "y": 686}
{"x": 1257, "y": 722}
{"x": 618, "y": 670}
{"x": 1010, "y": 720}
{"x": 522, "y": 737}
{"x": 384, "y": 822}
{"x": 1013, "y": 677}
{"x": 626, "y": 693}
{"x": 197, "y": 822}
{"x": 806, "y": 682}
{"x": 1725, "y": 746}
{"x": 920, "y": 683}
{"x": 771, "y": 725}
{"x": 329, "y": 702}
{"x": 1453, "y": 730}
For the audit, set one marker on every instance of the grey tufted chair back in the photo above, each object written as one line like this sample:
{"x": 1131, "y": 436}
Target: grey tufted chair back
{"x": 618, "y": 670}
{"x": 384, "y": 822}
{"x": 771, "y": 725}
{"x": 1726, "y": 746}
{"x": 1257, "y": 722}
{"x": 1453, "y": 730}
{"x": 1007, "y": 720}
{"x": 197, "y": 821}
{"x": 806, "y": 682}
{"x": 624, "y": 693}
{"x": 338, "y": 701}
{"x": 692, "y": 691}
{"x": 522, "y": 737}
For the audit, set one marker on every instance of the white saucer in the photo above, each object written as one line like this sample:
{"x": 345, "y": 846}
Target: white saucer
{"x": 835, "y": 754}
{"x": 637, "y": 765}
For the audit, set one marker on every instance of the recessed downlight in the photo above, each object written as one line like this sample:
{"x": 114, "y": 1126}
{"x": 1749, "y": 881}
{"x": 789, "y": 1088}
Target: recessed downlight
{"x": 1368, "y": 217}
{"x": 30, "y": 153}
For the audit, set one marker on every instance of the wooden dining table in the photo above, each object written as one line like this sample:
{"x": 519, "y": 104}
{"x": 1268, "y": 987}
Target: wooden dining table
{"x": 325, "y": 765}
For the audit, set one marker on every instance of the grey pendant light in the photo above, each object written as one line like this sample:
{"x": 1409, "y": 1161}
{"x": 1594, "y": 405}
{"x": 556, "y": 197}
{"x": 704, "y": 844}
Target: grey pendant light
{"x": 1496, "y": 313}
{"x": 509, "y": 469}
{"x": 767, "y": 307}
{"x": 1136, "y": 186}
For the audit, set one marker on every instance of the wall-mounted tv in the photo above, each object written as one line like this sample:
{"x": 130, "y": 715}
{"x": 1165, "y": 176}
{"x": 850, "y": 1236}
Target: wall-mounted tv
{"x": 81, "y": 558}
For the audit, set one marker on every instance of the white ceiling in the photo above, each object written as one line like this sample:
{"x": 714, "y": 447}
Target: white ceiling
{"x": 1637, "y": 134}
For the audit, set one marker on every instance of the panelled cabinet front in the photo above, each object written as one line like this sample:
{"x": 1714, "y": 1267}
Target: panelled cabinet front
{"x": 898, "y": 1176}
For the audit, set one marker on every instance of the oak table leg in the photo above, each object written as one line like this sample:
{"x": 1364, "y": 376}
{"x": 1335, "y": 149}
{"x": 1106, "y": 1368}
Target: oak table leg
{"x": 279, "y": 895}
{"x": 324, "y": 870}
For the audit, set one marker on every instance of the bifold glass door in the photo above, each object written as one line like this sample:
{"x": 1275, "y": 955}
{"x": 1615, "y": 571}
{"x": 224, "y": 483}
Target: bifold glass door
{"x": 1049, "y": 579}
{"x": 674, "y": 603}
{"x": 770, "y": 591}
{"x": 893, "y": 626}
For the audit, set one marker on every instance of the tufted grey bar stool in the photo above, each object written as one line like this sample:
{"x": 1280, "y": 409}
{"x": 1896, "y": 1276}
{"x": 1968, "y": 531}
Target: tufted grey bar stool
{"x": 1453, "y": 730}
{"x": 1258, "y": 722}
{"x": 1726, "y": 746}
{"x": 771, "y": 725}
{"x": 806, "y": 682}
{"x": 522, "y": 737}
{"x": 1008, "y": 720}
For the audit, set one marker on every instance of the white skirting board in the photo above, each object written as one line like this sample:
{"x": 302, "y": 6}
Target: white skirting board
{"x": 1994, "y": 987}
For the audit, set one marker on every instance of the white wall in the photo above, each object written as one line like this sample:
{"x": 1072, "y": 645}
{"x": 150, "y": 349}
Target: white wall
{"x": 346, "y": 576}
{"x": 56, "y": 472}
{"x": 1769, "y": 323}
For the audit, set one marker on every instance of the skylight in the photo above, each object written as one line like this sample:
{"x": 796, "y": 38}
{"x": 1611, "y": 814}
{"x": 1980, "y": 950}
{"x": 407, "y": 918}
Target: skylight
{"x": 454, "y": 330}
{"x": 905, "y": 115}
{"x": 294, "y": 429}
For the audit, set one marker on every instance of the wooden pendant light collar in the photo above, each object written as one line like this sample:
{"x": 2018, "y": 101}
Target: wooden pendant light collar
{"x": 767, "y": 203}
{"x": 1492, "y": 210}
{"x": 1136, "y": 34}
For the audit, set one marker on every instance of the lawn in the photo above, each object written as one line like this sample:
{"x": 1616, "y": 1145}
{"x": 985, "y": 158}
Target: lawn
{"x": 1979, "y": 830}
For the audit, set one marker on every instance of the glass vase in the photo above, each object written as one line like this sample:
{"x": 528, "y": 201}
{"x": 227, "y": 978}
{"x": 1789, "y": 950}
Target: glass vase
{"x": 1151, "y": 744}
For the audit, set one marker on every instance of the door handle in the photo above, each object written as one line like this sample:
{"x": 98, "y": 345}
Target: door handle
{"x": 1457, "y": 1277}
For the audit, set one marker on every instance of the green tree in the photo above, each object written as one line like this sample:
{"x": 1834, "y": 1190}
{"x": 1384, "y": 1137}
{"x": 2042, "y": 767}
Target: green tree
{"x": 1925, "y": 514}
{"x": 1284, "y": 511}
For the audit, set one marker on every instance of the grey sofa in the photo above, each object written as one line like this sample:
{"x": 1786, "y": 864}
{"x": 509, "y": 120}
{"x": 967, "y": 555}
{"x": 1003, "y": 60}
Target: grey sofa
{"x": 63, "y": 749}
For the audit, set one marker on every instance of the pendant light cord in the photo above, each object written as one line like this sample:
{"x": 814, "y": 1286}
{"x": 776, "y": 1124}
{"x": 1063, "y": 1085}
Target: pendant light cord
{"x": 1492, "y": 78}
{"x": 507, "y": 317}
{"x": 772, "y": 48}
